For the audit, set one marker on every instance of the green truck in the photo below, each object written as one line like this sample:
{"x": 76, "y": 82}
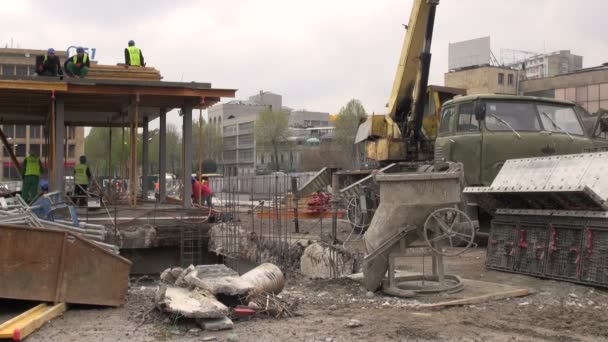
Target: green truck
{"x": 483, "y": 131}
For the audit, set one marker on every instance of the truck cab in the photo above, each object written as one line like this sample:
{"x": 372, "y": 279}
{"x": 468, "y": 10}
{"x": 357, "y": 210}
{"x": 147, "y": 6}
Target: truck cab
{"x": 483, "y": 131}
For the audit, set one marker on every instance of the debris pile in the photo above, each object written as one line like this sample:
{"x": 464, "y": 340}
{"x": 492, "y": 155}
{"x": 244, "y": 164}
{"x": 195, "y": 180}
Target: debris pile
{"x": 49, "y": 211}
{"x": 207, "y": 292}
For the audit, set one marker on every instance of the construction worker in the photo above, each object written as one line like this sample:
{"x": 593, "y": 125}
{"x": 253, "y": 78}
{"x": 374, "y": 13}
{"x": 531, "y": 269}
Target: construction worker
{"x": 206, "y": 193}
{"x": 31, "y": 171}
{"x": 48, "y": 64}
{"x": 78, "y": 65}
{"x": 82, "y": 177}
{"x": 133, "y": 56}
{"x": 196, "y": 190}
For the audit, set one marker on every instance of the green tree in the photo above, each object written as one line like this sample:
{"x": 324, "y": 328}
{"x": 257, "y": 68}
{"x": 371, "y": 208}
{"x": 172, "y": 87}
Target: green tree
{"x": 212, "y": 144}
{"x": 347, "y": 123}
{"x": 271, "y": 129}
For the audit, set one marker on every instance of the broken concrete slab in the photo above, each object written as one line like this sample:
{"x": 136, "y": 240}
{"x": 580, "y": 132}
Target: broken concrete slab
{"x": 181, "y": 280}
{"x": 193, "y": 304}
{"x": 216, "y": 324}
{"x": 168, "y": 277}
{"x": 319, "y": 262}
{"x": 218, "y": 279}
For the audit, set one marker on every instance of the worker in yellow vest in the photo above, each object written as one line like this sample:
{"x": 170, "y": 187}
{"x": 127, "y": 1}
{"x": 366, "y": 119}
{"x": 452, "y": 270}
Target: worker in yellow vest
{"x": 31, "y": 171}
{"x": 82, "y": 177}
{"x": 133, "y": 56}
{"x": 79, "y": 64}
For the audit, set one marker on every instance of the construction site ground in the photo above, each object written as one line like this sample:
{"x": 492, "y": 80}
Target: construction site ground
{"x": 556, "y": 311}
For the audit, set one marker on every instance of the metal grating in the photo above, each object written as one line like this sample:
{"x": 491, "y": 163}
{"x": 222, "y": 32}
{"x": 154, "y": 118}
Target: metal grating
{"x": 594, "y": 267}
{"x": 565, "y": 245}
{"x": 191, "y": 246}
{"x": 502, "y": 246}
{"x": 533, "y": 248}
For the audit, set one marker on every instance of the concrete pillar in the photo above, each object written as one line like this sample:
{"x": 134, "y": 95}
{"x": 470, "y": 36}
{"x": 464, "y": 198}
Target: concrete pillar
{"x": 162, "y": 157}
{"x": 56, "y": 175}
{"x": 144, "y": 159}
{"x": 187, "y": 160}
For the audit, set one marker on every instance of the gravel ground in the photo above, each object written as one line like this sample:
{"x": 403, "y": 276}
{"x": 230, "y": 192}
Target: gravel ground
{"x": 556, "y": 311}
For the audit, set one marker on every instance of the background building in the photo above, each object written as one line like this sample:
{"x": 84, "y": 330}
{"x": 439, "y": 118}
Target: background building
{"x": 484, "y": 80}
{"x": 549, "y": 65}
{"x": 474, "y": 67}
{"x": 21, "y": 62}
{"x": 236, "y": 121}
{"x": 587, "y": 87}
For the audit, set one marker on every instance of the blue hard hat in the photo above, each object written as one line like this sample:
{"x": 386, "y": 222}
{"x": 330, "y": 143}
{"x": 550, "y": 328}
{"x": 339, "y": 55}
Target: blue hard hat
{"x": 50, "y": 51}
{"x": 131, "y": 42}
{"x": 79, "y": 50}
{"x": 44, "y": 184}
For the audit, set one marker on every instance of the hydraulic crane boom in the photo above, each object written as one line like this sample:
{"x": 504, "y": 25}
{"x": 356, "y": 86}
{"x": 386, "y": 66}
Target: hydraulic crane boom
{"x": 397, "y": 136}
{"x": 413, "y": 68}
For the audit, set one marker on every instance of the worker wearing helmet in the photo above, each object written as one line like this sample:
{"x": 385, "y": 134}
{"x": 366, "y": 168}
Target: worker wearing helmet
{"x": 79, "y": 64}
{"x": 48, "y": 64}
{"x": 31, "y": 171}
{"x": 82, "y": 177}
{"x": 133, "y": 56}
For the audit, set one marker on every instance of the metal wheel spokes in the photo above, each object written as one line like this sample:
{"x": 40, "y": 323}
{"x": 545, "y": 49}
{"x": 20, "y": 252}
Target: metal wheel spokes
{"x": 448, "y": 231}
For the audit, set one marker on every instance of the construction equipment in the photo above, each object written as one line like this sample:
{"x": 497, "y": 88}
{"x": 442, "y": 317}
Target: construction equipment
{"x": 398, "y": 135}
{"x": 550, "y": 217}
{"x": 472, "y": 130}
{"x": 427, "y": 214}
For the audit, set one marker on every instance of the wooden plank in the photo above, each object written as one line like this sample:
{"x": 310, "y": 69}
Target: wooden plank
{"x": 33, "y": 85}
{"x": 143, "y": 91}
{"x": 479, "y": 299}
{"x": 25, "y": 324}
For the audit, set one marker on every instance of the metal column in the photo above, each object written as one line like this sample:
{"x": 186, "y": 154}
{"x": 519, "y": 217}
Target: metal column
{"x": 56, "y": 175}
{"x": 144, "y": 159}
{"x": 162, "y": 157}
{"x": 187, "y": 160}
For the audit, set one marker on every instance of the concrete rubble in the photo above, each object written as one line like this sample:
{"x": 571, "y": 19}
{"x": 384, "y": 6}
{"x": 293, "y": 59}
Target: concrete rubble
{"x": 192, "y": 304}
{"x": 193, "y": 292}
{"x": 320, "y": 262}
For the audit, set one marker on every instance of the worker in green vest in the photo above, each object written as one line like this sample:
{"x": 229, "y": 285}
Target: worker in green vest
{"x": 31, "y": 171}
{"x": 133, "y": 56}
{"x": 79, "y": 64}
{"x": 82, "y": 177}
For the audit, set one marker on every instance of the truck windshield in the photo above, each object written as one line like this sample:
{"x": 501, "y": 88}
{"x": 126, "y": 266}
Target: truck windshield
{"x": 559, "y": 119}
{"x": 521, "y": 116}
{"x": 527, "y": 116}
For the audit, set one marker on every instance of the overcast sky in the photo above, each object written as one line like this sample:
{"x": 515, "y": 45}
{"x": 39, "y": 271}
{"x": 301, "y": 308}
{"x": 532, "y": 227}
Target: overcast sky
{"x": 318, "y": 54}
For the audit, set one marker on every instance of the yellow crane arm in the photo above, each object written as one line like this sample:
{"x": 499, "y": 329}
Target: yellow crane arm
{"x": 408, "y": 69}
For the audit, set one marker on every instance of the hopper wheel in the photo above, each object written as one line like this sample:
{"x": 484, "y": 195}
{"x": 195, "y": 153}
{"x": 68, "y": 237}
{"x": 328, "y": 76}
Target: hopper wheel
{"x": 448, "y": 232}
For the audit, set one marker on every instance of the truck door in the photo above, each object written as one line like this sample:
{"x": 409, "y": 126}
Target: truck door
{"x": 466, "y": 143}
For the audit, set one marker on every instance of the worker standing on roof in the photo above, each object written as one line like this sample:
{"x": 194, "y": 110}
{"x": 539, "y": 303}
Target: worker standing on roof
{"x": 31, "y": 171}
{"x": 78, "y": 65}
{"x": 82, "y": 177}
{"x": 133, "y": 55}
{"x": 48, "y": 64}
